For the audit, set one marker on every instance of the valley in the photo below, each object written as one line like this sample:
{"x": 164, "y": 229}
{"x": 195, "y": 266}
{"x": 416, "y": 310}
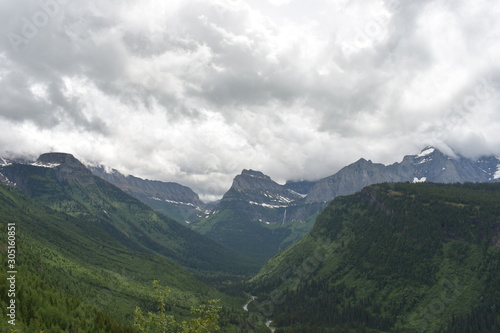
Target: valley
{"x": 408, "y": 247}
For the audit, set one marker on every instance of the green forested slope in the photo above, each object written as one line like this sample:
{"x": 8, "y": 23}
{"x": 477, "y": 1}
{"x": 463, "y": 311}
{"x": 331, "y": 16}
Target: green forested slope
{"x": 392, "y": 258}
{"x": 126, "y": 219}
{"x": 241, "y": 226}
{"x": 72, "y": 277}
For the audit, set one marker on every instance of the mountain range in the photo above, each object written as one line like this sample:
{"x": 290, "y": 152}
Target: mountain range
{"x": 63, "y": 183}
{"x": 258, "y": 217}
{"x": 430, "y": 165}
{"x": 175, "y": 200}
{"x": 87, "y": 253}
{"x": 372, "y": 248}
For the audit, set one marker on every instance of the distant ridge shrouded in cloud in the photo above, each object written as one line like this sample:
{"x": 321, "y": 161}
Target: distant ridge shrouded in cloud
{"x": 195, "y": 91}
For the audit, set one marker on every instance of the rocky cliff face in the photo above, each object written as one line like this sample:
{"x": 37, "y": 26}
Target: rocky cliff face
{"x": 351, "y": 179}
{"x": 302, "y": 187}
{"x": 431, "y": 165}
{"x": 156, "y": 190}
{"x": 258, "y": 189}
{"x": 243, "y": 218}
{"x": 67, "y": 167}
{"x": 174, "y": 200}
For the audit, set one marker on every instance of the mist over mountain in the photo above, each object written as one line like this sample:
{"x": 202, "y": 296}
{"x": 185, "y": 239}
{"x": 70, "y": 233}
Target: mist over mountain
{"x": 346, "y": 152}
{"x": 258, "y": 217}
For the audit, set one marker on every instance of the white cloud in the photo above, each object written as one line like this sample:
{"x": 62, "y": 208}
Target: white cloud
{"x": 279, "y": 3}
{"x": 194, "y": 91}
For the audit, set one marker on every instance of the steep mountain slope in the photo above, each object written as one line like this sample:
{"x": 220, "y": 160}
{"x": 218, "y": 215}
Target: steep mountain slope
{"x": 351, "y": 179}
{"x": 394, "y": 257}
{"x": 73, "y": 276}
{"x": 61, "y": 182}
{"x": 430, "y": 165}
{"x": 174, "y": 200}
{"x": 302, "y": 187}
{"x": 262, "y": 190}
{"x": 257, "y": 217}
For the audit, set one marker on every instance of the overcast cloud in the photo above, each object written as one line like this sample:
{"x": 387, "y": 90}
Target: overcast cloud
{"x": 194, "y": 91}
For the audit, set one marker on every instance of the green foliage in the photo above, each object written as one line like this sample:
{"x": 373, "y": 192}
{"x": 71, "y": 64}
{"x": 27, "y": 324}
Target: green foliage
{"x": 205, "y": 321}
{"x": 234, "y": 225}
{"x": 73, "y": 276}
{"x": 393, "y": 258}
{"x": 252, "y": 239}
{"x": 40, "y": 306}
{"x": 127, "y": 220}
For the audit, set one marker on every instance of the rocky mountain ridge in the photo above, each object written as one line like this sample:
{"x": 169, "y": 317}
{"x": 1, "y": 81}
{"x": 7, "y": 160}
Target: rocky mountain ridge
{"x": 430, "y": 165}
{"x": 259, "y": 189}
{"x": 154, "y": 189}
{"x": 63, "y": 183}
{"x": 257, "y": 207}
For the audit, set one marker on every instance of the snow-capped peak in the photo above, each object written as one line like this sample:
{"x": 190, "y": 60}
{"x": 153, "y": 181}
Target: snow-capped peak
{"x": 427, "y": 151}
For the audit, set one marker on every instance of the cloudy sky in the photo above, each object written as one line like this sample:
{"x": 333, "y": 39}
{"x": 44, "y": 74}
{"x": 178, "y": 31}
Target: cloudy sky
{"x": 194, "y": 91}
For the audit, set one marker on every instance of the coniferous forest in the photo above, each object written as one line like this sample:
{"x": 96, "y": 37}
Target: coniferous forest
{"x": 396, "y": 257}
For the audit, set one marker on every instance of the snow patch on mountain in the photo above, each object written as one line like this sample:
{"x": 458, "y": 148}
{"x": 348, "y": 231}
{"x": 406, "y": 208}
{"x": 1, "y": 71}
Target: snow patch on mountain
{"x": 5, "y": 180}
{"x": 4, "y": 162}
{"x": 297, "y": 193}
{"x": 284, "y": 199}
{"x": 267, "y": 205}
{"x": 426, "y": 151}
{"x": 425, "y": 160}
{"x": 46, "y": 165}
{"x": 279, "y": 198}
{"x": 421, "y": 180}
{"x": 497, "y": 173}
{"x": 177, "y": 202}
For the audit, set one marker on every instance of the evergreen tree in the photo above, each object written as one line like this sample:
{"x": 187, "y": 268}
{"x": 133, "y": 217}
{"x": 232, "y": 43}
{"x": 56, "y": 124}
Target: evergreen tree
{"x": 161, "y": 322}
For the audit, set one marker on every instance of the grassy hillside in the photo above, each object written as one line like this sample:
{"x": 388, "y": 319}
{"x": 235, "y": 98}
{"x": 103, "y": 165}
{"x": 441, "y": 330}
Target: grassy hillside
{"x": 392, "y": 258}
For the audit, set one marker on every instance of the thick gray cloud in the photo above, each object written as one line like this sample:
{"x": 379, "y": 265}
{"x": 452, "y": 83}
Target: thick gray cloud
{"x": 196, "y": 90}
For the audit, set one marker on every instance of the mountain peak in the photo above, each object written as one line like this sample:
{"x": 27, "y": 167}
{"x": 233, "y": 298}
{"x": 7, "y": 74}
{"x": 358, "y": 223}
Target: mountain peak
{"x": 427, "y": 151}
{"x": 363, "y": 161}
{"x": 253, "y": 173}
{"x": 67, "y": 165}
{"x": 256, "y": 188}
{"x": 250, "y": 178}
{"x": 59, "y": 158}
